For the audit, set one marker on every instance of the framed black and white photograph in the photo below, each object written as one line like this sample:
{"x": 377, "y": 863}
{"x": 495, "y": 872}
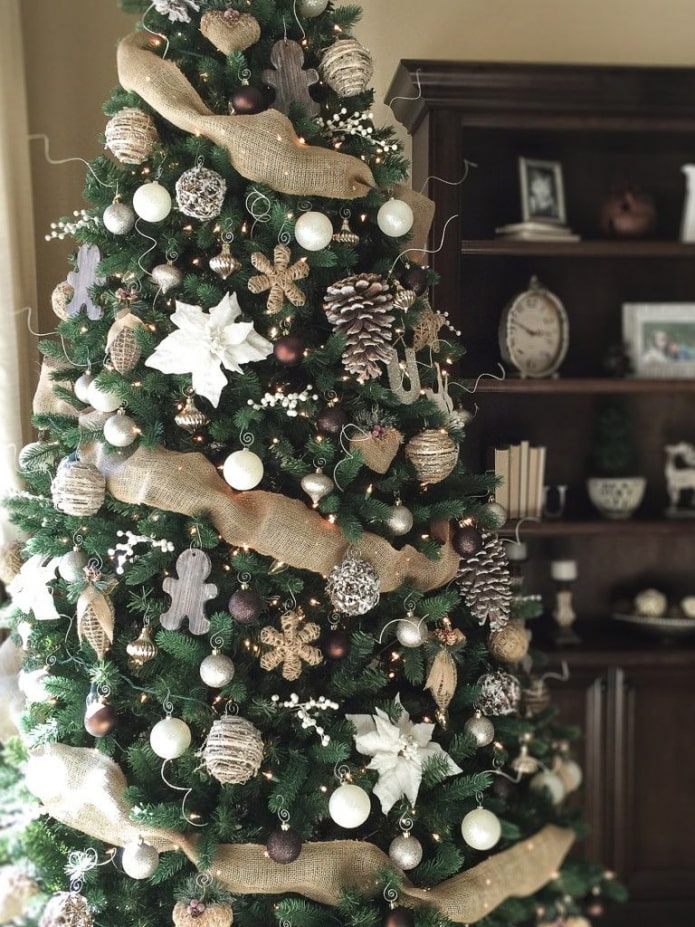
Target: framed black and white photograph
{"x": 542, "y": 191}
{"x": 660, "y": 339}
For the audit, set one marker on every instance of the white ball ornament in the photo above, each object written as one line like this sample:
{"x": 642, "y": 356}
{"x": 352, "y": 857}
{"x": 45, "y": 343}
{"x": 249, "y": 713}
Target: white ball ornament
{"x": 312, "y": 8}
{"x": 243, "y": 470}
{"x": 481, "y": 829}
{"x": 82, "y": 385}
{"x": 170, "y": 738}
{"x": 411, "y": 632}
{"x": 349, "y": 806}
{"x": 547, "y": 781}
{"x": 395, "y": 218}
{"x": 139, "y": 860}
{"x": 217, "y": 670}
{"x": 313, "y": 231}
{"x": 120, "y": 430}
{"x": 101, "y": 399}
{"x": 152, "y": 202}
{"x": 118, "y": 218}
{"x": 71, "y": 566}
{"x": 570, "y": 774}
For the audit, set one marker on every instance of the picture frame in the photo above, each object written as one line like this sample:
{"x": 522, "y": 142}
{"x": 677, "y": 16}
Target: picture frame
{"x": 542, "y": 191}
{"x": 660, "y": 339}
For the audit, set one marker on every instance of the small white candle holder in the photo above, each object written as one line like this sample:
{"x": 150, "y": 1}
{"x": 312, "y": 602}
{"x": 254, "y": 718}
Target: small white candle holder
{"x": 564, "y": 575}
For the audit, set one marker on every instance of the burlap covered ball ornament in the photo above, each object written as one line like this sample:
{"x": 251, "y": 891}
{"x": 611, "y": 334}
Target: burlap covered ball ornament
{"x": 196, "y": 913}
{"x": 66, "y": 909}
{"x": 347, "y": 67}
{"x": 233, "y": 751}
{"x": 131, "y": 135}
{"x": 353, "y": 586}
{"x": 433, "y": 455}
{"x": 78, "y": 488}
{"x": 500, "y": 693}
{"x": 60, "y": 297}
{"x": 510, "y": 644}
{"x": 10, "y": 561}
{"x": 200, "y": 193}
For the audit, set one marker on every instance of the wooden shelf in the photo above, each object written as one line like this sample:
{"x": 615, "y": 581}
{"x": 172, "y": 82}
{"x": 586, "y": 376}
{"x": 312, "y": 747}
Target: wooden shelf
{"x": 639, "y": 250}
{"x": 593, "y": 385}
{"x": 599, "y": 527}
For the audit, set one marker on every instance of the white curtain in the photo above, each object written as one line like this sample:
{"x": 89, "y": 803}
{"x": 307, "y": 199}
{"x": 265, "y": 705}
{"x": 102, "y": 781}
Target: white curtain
{"x": 17, "y": 258}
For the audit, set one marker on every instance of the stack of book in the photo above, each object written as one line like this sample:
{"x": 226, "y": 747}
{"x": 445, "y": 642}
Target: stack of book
{"x": 536, "y": 230}
{"x": 522, "y": 469}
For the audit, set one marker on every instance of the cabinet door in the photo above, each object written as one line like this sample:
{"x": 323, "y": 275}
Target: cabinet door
{"x": 652, "y": 781}
{"x": 582, "y": 702}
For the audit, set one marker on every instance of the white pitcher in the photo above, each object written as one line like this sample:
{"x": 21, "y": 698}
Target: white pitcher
{"x": 688, "y": 224}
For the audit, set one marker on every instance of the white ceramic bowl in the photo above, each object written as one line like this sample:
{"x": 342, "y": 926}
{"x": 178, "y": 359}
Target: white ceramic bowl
{"x": 616, "y": 496}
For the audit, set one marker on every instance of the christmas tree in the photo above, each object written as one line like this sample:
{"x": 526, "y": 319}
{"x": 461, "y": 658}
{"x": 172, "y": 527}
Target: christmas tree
{"x": 273, "y": 662}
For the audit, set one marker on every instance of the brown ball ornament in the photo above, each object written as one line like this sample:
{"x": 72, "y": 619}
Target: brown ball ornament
{"x": 415, "y": 279}
{"x": 289, "y": 350}
{"x": 245, "y": 606}
{"x": 467, "y": 541}
{"x": 399, "y": 917}
{"x": 332, "y": 420}
{"x": 510, "y": 644}
{"x": 335, "y": 644}
{"x": 284, "y": 846}
{"x": 100, "y": 719}
{"x": 247, "y": 101}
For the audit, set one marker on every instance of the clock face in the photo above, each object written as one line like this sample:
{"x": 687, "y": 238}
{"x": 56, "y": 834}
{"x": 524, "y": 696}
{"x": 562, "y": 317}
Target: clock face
{"x": 534, "y": 333}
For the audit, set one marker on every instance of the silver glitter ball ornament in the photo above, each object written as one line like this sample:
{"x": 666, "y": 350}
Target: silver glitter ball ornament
{"x": 353, "y": 586}
{"x": 167, "y": 277}
{"x": 118, "y": 218}
{"x": 500, "y": 693}
{"x": 120, "y": 430}
{"x": 317, "y": 485}
{"x": 200, "y": 193}
{"x": 496, "y": 514}
{"x": 140, "y": 860}
{"x": 411, "y": 632}
{"x": 481, "y": 728}
{"x": 406, "y": 852}
{"x": 217, "y": 670}
{"x": 400, "y": 520}
{"x": 71, "y": 566}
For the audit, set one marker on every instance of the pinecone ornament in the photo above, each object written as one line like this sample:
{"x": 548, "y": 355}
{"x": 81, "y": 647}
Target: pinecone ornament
{"x": 359, "y": 308}
{"x": 484, "y": 583}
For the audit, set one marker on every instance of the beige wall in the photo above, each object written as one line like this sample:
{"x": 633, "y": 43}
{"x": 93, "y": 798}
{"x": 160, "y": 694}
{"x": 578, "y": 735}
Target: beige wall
{"x": 70, "y": 53}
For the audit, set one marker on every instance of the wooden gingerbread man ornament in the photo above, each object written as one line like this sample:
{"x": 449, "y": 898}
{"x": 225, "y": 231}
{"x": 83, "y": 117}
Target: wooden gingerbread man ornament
{"x": 189, "y": 593}
{"x": 289, "y": 79}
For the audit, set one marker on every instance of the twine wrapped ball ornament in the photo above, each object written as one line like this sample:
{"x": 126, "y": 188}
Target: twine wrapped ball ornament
{"x": 433, "y": 454}
{"x": 347, "y": 67}
{"x": 200, "y": 193}
{"x": 78, "y": 488}
{"x": 66, "y": 909}
{"x": 233, "y": 751}
{"x": 131, "y": 135}
{"x": 60, "y": 297}
{"x": 353, "y": 586}
{"x": 197, "y": 914}
{"x": 510, "y": 644}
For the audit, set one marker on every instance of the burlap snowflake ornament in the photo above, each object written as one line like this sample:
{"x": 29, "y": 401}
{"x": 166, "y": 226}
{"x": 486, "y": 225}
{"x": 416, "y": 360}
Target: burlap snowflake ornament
{"x": 279, "y": 278}
{"x": 291, "y": 647}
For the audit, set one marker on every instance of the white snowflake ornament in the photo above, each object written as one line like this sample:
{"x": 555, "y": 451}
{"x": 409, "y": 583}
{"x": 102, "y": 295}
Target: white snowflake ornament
{"x": 207, "y": 342}
{"x": 399, "y": 752}
{"x": 178, "y": 11}
{"x": 29, "y": 590}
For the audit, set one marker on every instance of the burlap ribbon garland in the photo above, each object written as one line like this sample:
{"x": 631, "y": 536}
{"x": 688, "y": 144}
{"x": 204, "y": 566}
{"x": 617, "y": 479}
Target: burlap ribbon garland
{"x": 271, "y": 524}
{"x": 85, "y": 790}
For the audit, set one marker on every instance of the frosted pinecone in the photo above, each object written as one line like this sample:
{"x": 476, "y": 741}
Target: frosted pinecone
{"x": 359, "y": 307}
{"x": 484, "y": 583}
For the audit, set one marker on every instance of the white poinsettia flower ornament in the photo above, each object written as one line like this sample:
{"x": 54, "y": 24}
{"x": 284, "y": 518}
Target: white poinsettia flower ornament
{"x": 399, "y": 752}
{"x": 30, "y": 590}
{"x": 207, "y": 342}
{"x": 178, "y": 11}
